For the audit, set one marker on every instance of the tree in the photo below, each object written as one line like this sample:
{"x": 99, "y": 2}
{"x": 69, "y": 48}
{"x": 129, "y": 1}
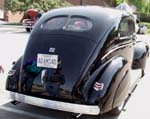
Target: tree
{"x": 141, "y": 5}
{"x": 110, "y": 3}
{"x": 120, "y": 1}
{"x": 147, "y": 8}
{"x": 23, "y": 5}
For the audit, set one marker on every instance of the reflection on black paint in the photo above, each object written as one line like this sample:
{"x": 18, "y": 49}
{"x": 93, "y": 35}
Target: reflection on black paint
{"x": 30, "y": 71}
{"x": 54, "y": 82}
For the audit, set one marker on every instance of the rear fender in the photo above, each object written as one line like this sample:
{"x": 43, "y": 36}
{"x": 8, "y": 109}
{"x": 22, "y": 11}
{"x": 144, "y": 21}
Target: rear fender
{"x": 13, "y": 76}
{"x": 141, "y": 52}
{"x": 109, "y": 74}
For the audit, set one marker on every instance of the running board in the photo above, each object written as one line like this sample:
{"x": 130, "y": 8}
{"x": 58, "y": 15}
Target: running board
{"x": 135, "y": 78}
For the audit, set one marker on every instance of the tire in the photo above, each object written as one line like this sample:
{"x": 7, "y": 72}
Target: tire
{"x": 117, "y": 110}
{"x": 28, "y": 29}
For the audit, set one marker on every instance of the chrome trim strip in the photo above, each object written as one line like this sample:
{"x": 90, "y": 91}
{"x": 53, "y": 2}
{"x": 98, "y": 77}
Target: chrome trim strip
{"x": 57, "y": 105}
{"x": 112, "y": 50}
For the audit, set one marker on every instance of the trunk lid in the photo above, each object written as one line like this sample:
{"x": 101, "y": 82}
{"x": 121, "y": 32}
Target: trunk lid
{"x": 52, "y": 65}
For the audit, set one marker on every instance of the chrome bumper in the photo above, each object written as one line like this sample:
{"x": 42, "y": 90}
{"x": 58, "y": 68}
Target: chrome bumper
{"x": 28, "y": 26}
{"x": 57, "y": 105}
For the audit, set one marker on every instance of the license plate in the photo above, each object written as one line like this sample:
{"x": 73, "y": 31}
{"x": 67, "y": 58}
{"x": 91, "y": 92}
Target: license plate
{"x": 47, "y": 60}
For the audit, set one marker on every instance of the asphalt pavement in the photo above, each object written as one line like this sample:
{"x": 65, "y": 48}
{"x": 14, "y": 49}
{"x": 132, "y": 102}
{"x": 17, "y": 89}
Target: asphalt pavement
{"x": 13, "y": 41}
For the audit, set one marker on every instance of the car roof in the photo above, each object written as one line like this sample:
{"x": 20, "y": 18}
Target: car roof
{"x": 87, "y": 11}
{"x": 102, "y": 18}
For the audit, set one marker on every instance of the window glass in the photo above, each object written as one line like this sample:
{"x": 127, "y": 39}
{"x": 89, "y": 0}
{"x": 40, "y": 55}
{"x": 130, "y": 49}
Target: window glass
{"x": 126, "y": 27}
{"x": 131, "y": 26}
{"x": 68, "y": 24}
{"x": 55, "y": 23}
{"x": 78, "y": 24}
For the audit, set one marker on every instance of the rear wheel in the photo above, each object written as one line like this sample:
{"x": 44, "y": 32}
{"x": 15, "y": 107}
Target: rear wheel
{"x": 28, "y": 29}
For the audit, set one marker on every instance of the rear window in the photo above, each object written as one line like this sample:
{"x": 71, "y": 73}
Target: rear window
{"x": 55, "y": 23}
{"x": 70, "y": 24}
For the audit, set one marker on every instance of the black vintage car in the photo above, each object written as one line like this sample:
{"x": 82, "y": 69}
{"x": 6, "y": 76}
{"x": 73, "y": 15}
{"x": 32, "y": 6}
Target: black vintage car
{"x": 80, "y": 60}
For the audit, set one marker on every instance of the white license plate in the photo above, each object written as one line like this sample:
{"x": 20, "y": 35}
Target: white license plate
{"x": 47, "y": 60}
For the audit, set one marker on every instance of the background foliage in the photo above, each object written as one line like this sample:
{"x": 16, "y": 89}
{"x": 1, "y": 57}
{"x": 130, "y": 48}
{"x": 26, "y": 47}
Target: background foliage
{"x": 23, "y": 5}
{"x": 142, "y": 6}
